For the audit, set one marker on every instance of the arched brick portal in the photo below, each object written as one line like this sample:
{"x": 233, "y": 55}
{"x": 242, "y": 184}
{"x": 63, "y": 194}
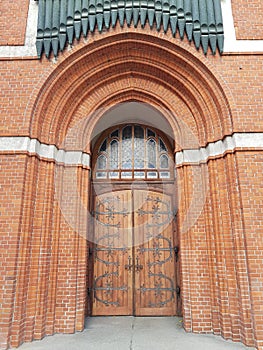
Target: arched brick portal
{"x": 51, "y": 275}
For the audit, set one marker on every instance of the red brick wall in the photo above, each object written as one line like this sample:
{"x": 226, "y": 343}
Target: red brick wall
{"x": 11, "y": 199}
{"x": 13, "y": 20}
{"x": 251, "y": 176}
{"x": 43, "y": 100}
{"x": 19, "y": 81}
{"x": 48, "y": 288}
{"x": 248, "y": 19}
{"x": 243, "y": 75}
{"x": 214, "y": 249}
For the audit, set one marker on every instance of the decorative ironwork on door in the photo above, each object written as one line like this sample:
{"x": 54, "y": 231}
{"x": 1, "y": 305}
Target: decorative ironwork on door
{"x": 111, "y": 249}
{"x": 134, "y": 256}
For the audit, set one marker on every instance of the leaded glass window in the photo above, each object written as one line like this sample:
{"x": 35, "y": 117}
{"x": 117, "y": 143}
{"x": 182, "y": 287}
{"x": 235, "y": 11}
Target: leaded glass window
{"x": 102, "y": 160}
{"x": 139, "y": 151}
{"x": 103, "y": 146}
{"x": 162, "y": 146}
{"x": 127, "y": 150}
{"x": 151, "y": 154}
{"x": 164, "y": 162}
{"x": 114, "y": 154}
{"x": 133, "y": 152}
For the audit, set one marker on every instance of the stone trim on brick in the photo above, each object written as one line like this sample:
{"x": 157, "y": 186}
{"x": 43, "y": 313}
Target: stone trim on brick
{"x": 219, "y": 148}
{"x": 50, "y": 152}
{"x": 190, "y": 156}
{"x": 231, "y": 44}
{"x": 29, "y": 49}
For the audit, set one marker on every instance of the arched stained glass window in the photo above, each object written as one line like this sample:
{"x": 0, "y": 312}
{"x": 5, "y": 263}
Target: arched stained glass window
{"x": 139, "y": 151}
{"x": 126, "y": 148}
{"x": 162, "y": 146}
{"x": 103, "y": 146}
{"x": 164, "y": 162}
{"x": 102, "y": 162}
{"x": 151, "y": 154}
{"x": 114, "y": 154}
{"x": 133, "y": 152}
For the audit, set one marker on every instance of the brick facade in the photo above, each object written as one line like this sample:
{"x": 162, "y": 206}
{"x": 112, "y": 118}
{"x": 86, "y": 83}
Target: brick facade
{"x": 13, "y": 20}
{"x": 44, "y": 217}
{"x": 248, "y": 17}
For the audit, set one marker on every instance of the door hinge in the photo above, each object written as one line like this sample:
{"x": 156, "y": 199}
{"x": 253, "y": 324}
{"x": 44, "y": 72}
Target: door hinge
{"x": 178, "y": 291}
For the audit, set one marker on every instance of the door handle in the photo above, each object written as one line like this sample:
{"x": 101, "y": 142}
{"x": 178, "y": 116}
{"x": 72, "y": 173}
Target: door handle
{"x": 129, "y": 266}
{"x": 138, "y": 266}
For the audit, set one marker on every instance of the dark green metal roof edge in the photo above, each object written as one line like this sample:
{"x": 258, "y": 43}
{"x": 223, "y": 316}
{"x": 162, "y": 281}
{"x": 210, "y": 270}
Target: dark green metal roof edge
{"x": 60, "y": 21}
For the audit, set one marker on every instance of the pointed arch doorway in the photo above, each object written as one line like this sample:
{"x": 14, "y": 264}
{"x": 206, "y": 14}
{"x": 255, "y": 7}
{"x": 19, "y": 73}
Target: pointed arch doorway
{"x": 134, "y": 256}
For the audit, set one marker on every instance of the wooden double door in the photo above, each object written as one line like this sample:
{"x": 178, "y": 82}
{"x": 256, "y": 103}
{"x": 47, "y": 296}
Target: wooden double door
{"x": 135, "y": 259}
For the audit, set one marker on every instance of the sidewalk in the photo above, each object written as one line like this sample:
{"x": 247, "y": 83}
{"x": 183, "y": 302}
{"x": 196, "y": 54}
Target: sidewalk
{"x": 133, "y": 333}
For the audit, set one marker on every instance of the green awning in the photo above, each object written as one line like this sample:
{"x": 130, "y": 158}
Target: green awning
{"x": 61, "y": 21}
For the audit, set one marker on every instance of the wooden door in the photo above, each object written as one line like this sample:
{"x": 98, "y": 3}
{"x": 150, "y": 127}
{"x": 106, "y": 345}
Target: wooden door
{"x": 134, "y": 263}
{"x": 112, "y": 286}
{"x": 154, "y": 254}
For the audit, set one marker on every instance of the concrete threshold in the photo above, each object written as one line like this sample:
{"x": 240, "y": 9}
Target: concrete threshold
{"x": 133, "y": 333}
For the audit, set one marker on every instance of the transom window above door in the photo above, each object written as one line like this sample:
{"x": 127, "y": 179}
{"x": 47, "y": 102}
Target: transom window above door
{"x": 133, "y": 152}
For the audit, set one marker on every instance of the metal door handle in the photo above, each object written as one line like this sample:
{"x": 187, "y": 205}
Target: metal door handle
{"x": 138, "y": 266}
{"x": 129, "y": 266}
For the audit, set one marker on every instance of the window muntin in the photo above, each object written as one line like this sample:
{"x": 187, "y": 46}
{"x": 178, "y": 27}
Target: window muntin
{"x": 133, "y": 152}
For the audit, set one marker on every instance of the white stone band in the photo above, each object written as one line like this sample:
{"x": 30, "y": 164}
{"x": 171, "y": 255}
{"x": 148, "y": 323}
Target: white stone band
{"x": 190, "y": 156}
{"x": 232, "y": 45}
{"x": 51, "y": 152}
{"x": 29, "y": 49}
{"x": 219, "y": 148}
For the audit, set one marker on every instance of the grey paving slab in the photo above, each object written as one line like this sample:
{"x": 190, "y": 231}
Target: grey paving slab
{"x": 133, "y": 333}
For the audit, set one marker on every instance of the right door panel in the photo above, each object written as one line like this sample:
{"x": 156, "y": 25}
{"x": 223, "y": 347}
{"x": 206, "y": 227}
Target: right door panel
{"x": 154, "y": 273}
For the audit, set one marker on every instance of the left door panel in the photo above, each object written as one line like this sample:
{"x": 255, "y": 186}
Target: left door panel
{"x": 112, "y": 254}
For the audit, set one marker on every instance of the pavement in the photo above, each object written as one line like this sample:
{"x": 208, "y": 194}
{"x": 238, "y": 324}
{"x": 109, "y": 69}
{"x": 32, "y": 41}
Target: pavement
{"x": 133, "y": 333}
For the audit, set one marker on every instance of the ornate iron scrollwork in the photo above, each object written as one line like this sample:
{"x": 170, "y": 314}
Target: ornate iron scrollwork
{"x": 109, "y": 212}
{"x": 108, "y": 249}
{"x": 108, "y": 288}
{"x": 157, "y": 211}
{"x": 157, "y": 250}
{"x": 106, "y": 213}
{"x": 161, "y": 248}
{"x": 159, "y": 289}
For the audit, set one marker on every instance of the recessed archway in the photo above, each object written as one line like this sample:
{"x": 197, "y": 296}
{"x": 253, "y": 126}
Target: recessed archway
{"x": 189, "y": 100}
{"x": 157, "y": 72}
{"x": 132, "y": 112}
{"x": 134, "y": 266}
